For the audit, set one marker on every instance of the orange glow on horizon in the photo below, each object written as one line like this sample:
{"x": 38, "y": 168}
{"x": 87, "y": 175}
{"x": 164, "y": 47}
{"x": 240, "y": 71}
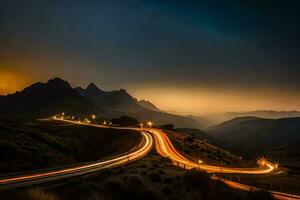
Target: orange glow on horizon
{"x": 196, "y": 100}
{"x": 204, "y": 101}
{"x": 12, "y": 81}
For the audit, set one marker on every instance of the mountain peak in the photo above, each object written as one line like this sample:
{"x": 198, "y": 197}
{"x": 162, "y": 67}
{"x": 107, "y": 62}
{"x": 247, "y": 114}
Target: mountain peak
{"x": 123, "y": 91}
{"x": 46, "y": 98}
{"x": 58, "y": 82}
{"x": 92, "y": 86}
{"x": 147, "y": 104}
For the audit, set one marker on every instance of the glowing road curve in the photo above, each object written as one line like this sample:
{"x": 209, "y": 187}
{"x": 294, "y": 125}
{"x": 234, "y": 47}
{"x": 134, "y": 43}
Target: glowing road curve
{"x": 165, "y": 148}
{"x": 65, "y": 172}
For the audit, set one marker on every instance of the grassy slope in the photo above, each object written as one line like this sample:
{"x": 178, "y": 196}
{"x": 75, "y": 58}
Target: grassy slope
{"x": 239, "y": 149}
{"x": 287, "y": 182}
{"x": 53, "y": 144}
{"x": 37, "y": 145}
{"x": 288, "y": 155}
{"x": 193, "y": 147}
{"x": 278, "y": 139}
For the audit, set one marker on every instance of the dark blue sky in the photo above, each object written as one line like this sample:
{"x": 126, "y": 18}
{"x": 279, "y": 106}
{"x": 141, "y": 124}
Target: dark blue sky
{"x": 234, "y": 48}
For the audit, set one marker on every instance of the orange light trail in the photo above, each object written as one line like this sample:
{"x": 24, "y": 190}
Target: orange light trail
{"x": 165, "y": 148}
{"x": 145, "y": 147}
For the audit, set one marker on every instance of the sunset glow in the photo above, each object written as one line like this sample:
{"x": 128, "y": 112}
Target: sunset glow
{"x": 208, "y": 101}
{"x": 12, "y": 81}
{"x": 151, "y": 99}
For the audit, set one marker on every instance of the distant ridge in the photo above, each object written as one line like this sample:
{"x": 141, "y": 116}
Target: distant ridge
{"x": 236, "y": 121}
{"x": 116, "y": 99}
{"x": 119, "y": 102}
{"x": 55, "y": 96}
{"x": 258, "y": 132}
{"x": 267, "y": 114}
{"x": 214, "y": 119}
{"x": 46, "y": 98}
{"x": 149, "y": 105}
{"x": 92, "y": 92}
{"x": 277, "y": 138}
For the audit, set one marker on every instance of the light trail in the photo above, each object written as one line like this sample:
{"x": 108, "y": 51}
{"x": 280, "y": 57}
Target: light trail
{"x": 164, "y": 145}
{"x": 277, "y": 195}
{"x": 166, "y": 149}
{"x": 40, "y": 177}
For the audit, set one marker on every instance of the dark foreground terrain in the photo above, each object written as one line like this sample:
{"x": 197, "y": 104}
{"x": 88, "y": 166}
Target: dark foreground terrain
{"x": 38, "y": 145}
{"x": 263, "y": 133}
{"x": 152, "y": 177}
{"x": 35, "y": 145}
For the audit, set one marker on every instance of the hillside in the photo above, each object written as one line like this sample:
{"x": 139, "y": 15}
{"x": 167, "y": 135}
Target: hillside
{"x": 258, "y": 132}
{"x": 194, "y": 147}
{"x": 275, "y": 138}
{"x": 37, "y": 145}
{"x": 149, "y": 178}
{"x": 239, "y": 149}
{"x": 293, "y": 152}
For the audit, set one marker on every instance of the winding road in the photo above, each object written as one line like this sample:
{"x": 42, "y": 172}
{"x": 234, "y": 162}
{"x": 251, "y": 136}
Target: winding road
{"x": 10, "y": 181}
{"x": 166, "y": 149}
{"x": 277, "y": 195}
{"x": 163, "y": 146}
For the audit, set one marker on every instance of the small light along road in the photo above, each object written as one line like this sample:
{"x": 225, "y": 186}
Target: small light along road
{"x": 166, "y": 149}
{"x": 163, "y": 146}
{"x": 14, "y": 181}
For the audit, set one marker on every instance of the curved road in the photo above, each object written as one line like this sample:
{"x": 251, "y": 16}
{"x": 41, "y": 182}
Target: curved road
{"x": 277, "y": 195}
{"x": 163, "y": 146}
{"x": 56, "y": 174}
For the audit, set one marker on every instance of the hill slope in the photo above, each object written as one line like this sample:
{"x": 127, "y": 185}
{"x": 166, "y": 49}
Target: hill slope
{"x": 25, "y": 147}
{"x": 239, "y": 149}
{"x": 258, "y": 132}
{"x": 196, "y": 147}
{"x": 278, "y": 139}
{"x": 293, "y": 152}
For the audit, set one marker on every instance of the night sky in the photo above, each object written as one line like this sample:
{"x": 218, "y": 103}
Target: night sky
{"x": 189, "y": 57}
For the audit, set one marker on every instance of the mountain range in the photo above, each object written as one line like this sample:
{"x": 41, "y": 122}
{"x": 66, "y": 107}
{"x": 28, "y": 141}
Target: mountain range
{"x": 40, "y": 98}
{"x": 55, "y": 96}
